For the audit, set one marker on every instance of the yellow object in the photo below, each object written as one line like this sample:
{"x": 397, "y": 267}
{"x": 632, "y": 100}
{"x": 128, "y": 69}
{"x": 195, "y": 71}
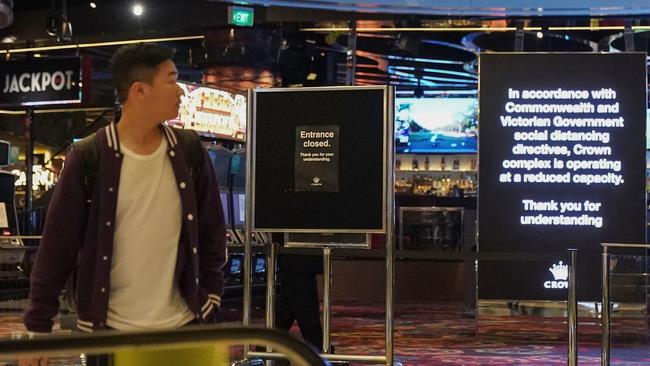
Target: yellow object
{"x": 192, "y": 356}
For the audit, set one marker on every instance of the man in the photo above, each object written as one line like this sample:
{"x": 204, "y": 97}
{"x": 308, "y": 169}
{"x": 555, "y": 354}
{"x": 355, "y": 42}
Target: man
{"x": 151, "y": 243}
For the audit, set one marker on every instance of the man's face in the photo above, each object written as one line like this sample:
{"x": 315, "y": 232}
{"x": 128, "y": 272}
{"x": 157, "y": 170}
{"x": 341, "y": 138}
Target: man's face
{"x": 163, "y": 96}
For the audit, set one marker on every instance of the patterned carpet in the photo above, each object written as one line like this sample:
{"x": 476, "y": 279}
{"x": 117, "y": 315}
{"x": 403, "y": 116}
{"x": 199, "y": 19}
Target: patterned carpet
{"x": 438, "y": 334}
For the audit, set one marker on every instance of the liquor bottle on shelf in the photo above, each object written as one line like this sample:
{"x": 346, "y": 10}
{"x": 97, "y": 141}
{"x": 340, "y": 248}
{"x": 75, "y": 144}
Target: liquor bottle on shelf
{"x": 456, "y": 164}
{"x": 426, "y": 163}
{"x": 443, "y": 164}
{"x": 415, "y": 164}
{"x": 398, "y": 164}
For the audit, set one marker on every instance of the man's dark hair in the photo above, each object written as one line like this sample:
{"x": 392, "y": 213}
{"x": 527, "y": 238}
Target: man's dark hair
{"x": 134, "y": 63}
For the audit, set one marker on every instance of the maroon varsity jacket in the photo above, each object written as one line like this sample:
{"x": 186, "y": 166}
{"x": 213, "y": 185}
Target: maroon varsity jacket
{"x": 74, "y": 230}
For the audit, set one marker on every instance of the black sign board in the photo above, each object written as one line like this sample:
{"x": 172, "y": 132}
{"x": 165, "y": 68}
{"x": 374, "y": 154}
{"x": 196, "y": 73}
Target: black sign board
{"x": 562, "y": 165}
{"x": 317, "y": 159}
{"x": 324, "y": 240}
{"x": 320, "y": 157}
{"x": 40, "y": 81}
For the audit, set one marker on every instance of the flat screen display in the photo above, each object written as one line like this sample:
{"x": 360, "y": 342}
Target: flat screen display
{"x": 239, "y": 210}
{"x": 212, "y": 111}
{"x": 225, "y": 207}
{"x": 436, "y": 125}
{"x": 235, "y": 264}
{"x": 260, "y": 264}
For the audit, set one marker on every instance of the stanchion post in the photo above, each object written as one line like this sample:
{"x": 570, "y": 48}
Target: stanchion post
{"x": 572, "y": 309}
{"x": 270, "y": 292}
{"x": 605, "y": 323}
{"x": 390, "y": 226}
{"x": 28, "y": 223}
{"x": 248, "y": 232}
{"x": 270, "y": 285}
{"x": 327, "y": 297}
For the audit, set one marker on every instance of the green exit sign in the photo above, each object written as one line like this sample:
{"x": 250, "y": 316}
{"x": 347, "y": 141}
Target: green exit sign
{"x": 241, "y": 16}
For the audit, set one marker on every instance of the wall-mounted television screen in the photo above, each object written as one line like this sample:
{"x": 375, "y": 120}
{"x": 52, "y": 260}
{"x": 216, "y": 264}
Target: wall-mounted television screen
{"x": 436, "y": 125}
{"x": 212, "y": 112}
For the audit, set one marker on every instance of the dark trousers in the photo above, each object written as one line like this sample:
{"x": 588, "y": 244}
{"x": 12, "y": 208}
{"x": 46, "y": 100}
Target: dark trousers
{"x": 297, "y": 300}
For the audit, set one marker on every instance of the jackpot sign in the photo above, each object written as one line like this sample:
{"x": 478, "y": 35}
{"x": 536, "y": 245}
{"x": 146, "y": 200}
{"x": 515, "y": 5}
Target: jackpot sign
{"x": 40, "y": 81}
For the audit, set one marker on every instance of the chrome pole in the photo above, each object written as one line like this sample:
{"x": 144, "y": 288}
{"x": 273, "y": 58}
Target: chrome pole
{"x": 248, "y": 232}
{"x": 605, "y": 325}
{"x": 270, "y": 285}
{"x": 327, "y": 297}
{"x": 270, "y": 292}
{"x": 572, "y": 309}
{"x": 390, "y": 226}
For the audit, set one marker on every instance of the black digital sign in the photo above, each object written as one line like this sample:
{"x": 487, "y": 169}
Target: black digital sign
{"x": 561, "y": 165}
{"x": 40, "y": 81}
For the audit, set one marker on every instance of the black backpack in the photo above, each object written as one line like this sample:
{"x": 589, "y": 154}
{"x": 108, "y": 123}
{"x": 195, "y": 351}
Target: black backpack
{"x": 190, "y": 143}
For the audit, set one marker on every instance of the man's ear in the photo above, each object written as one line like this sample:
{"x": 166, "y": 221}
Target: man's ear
{"x": 137, "y": 90}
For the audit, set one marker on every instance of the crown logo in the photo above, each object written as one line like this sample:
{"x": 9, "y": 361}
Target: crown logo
{"x": 316, "y": 180}
{"x": 560, "y": 271}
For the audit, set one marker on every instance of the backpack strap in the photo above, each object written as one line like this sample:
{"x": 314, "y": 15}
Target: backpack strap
{"x": 88, "y": 150}
{"x": 190, "y": 144}
{"x": 192, "y": 150}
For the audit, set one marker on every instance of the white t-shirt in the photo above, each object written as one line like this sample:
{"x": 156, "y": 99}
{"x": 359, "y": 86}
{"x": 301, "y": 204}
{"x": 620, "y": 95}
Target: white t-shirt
{"x": 143, "y": 294}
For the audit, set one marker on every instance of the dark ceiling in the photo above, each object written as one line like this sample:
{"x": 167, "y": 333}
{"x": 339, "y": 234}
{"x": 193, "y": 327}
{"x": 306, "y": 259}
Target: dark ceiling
{"x": 422, "y": 62}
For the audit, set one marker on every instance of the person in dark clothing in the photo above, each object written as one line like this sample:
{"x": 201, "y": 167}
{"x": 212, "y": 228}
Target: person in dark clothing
{"x": 297, "y": 296}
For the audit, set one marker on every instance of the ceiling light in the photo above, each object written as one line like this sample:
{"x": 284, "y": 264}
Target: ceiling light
{"x": 98, "y": 44}
{"x": 52, "y": 24}
{"x": 66, "y": 30}
{"x": 540, "y": 35}
{"x": 93, "y": 5}
{"x": 137, "y": 9}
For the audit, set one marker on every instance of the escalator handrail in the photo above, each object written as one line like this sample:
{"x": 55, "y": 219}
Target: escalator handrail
{"x": 109, "y": 341}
